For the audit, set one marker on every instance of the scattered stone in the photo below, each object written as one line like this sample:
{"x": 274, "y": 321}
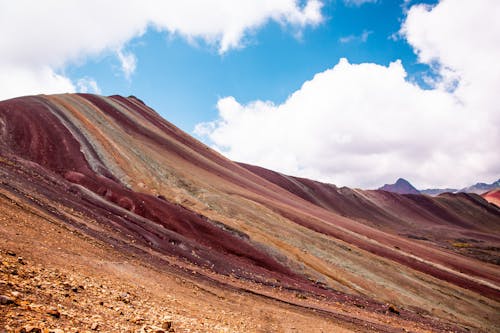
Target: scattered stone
{"x": 300, "y": 296}
{"x": 4, "y": 300}
{"x": 156, "y": 329}
{"x": 124, "y": 297}
{"x": 392, "y": 308}
{"x": 55, "y": 330}
{"x": 138, "y": 320}
{"x": 31, "y": 329}
{"x": 16, "y": 294}
{"x": 94, "y": 326}
{"x": 21, "y": 260}
{"x": 167, "y": 325}
{"x": 54, "y": 313}
{"x": 10, "y": 253}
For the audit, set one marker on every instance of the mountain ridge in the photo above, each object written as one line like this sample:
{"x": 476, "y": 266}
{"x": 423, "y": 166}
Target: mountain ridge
{"x": 402, "y": 186}
{"x": 480, "y": 188}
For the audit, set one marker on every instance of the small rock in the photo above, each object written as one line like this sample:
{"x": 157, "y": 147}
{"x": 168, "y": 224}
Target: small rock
{"x": 156, "y": 329}
{"x": 94, "y": 326}
{"x": 10, "y": 253}
{"x": 300, "y": 296}
{"x": 4, "y": 300}
{"x": 54, "y": 313}
{"x": 167, "y": 325}
{"x": 16, "y": 294}
{"x": 21, "y": 260}
{"x": 124, "y": 297}
{"x": 393, "y": 309}
{"x": 32, "y": 329}
{"x": 138, "y": 320}
{"x": 55, "y": 330}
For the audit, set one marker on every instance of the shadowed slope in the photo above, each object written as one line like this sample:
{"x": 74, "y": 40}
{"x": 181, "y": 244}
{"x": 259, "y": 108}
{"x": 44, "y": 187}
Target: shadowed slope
{"x": 114, "y": 169}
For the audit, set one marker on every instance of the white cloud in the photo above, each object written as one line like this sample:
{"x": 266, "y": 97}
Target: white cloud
{"x": 87, "y": 85}
{"x": 21, "y": 81}
{"x": 366, "y": 125}
{"x": 362, "y": 38}
{"x": 128, "y": 63}
{"x": 45, "y": 36}
{"x": 358, "y": 3}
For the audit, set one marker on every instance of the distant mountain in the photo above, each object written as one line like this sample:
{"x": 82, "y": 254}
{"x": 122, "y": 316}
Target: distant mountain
{"x": 438, "y": 191}
{"x": 493, "y": 196}
{"x": 401, "y": 186}
{"x": 480, "y": 188}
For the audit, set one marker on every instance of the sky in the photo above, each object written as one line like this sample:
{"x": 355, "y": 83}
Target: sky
{"x": 352, "y": 92}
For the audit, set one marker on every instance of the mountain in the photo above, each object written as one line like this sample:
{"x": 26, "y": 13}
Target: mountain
{"x": 480, "y": 188}
{"x": 113, "y": 219}
{"x": 438, "y": 191}
{"x": 401, "y": 186}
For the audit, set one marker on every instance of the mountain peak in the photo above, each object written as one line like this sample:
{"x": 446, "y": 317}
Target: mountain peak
{"x": 402, "y": 181}
{"x": 401, "y": 186}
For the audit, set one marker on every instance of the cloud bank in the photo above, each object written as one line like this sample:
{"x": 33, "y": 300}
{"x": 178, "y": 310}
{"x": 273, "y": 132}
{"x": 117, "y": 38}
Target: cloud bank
{"x": 39, "y": 39}
{"x": 366, "y": 124}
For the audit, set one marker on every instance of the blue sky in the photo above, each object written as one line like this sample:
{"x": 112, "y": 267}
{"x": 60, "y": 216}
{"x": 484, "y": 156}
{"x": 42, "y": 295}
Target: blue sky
{"x": 351, "y": 92}
{"x": 183, "y": 81}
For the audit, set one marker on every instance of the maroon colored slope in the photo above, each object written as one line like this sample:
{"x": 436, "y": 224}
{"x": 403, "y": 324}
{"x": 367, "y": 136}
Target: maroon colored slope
{"x": 34, "y": 131}
{"x": 391, "y": 211}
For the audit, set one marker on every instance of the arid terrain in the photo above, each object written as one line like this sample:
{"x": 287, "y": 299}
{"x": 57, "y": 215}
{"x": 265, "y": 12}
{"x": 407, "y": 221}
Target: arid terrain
{"x": 113, "y": 220}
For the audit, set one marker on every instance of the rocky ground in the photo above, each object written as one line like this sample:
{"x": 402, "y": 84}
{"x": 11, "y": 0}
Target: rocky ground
{"x": 38, "y": 299}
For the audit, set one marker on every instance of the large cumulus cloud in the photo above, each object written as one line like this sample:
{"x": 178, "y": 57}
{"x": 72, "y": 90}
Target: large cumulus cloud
{"x": 366, "y": 124}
